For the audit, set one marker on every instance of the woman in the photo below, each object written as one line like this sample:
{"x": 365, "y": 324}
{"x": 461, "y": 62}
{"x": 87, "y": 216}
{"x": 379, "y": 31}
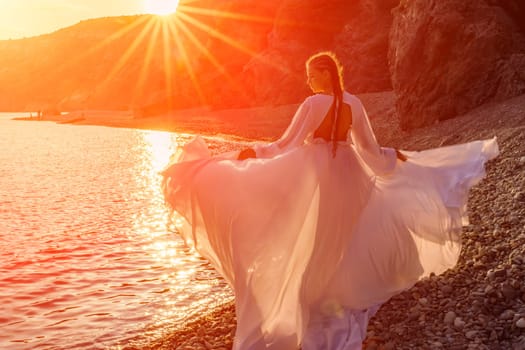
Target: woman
{"x": 316, "y": 230}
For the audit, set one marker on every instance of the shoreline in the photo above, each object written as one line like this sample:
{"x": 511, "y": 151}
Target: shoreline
{"x": 256, "y": 123}
{"x": 244, "y": 123}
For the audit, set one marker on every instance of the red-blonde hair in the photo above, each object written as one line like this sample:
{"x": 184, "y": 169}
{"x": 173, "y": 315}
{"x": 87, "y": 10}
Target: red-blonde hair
{"x": 328, "y": 61}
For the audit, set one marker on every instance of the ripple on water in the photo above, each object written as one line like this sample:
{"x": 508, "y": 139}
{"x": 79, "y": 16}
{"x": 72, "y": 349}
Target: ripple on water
{"x": 87, "y": 256}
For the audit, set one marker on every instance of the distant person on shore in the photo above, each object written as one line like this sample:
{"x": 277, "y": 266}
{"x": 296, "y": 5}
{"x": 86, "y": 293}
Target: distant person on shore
{"x": 316, "y": 230}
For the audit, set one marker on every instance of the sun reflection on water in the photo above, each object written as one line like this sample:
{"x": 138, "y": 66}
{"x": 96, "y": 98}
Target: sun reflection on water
{"x": 182, "y": 291}
{"x": 160, "y": 146}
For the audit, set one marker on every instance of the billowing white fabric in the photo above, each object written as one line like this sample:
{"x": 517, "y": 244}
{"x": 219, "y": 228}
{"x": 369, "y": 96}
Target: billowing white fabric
{"x": 311, "y": 244}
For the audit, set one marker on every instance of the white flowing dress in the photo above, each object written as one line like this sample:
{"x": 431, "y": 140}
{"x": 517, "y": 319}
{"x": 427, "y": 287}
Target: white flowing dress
{"x": 312, "y": 245}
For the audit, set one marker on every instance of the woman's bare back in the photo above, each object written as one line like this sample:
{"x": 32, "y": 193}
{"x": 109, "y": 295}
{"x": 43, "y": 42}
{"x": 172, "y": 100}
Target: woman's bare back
{"x": 344, "y": 123}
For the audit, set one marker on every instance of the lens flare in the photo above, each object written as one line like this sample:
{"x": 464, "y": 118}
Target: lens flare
{"x": 161, "y": 7}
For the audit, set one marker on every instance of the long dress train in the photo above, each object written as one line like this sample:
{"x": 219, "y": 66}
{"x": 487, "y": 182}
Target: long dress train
{"x": 313, "y": 244}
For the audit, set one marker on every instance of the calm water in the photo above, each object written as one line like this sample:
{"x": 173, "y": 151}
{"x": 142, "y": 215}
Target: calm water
{"x": 88, "y": 257}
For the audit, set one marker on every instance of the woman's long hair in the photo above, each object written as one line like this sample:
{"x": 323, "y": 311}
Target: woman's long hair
{"x": 327, "y": 60}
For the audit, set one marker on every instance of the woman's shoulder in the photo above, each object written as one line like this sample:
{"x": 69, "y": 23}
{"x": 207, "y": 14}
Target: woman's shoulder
{"x": 317, "y": 105}
{"x": 324, "y": 99}
{"x": 319, "y": 98}
{"x": 350, "y": 98}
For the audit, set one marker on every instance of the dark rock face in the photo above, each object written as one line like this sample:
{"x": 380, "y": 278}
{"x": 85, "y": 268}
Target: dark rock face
{"x": 363, "y": 46}
{"x": 301, "y": 28}
{"x": 232, "y": 32}
{"x": 357, "y": 31}
{"x": 449, "y": 56}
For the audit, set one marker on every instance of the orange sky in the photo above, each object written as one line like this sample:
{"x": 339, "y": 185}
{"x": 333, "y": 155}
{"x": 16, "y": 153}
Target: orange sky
{"x": 24, "y": 18}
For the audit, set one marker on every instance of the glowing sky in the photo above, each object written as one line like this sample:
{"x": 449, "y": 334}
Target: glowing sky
{"x": 24, "y": 18}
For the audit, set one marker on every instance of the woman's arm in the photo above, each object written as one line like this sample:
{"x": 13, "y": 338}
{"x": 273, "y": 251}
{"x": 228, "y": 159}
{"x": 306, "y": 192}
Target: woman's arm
{"x": 381, "y": 160}
{"x": 401, "y": 156}
{"x": 294, "y": 135}
{"x": 246, "y": 153}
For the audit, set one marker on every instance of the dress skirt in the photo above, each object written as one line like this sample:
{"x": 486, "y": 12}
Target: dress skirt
{"x": 313, "y": 244}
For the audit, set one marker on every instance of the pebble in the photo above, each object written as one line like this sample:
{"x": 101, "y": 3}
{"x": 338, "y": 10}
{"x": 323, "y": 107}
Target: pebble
{"x": 458, "y": 322}
{"x": 471, "y": 334}
{"x": 446, "y": 289}
{"x": 450, "y": 317}
{"x": 508, "y": 291}
{"x": 389, "y": 346}
{"x": 520, "y": 196}
{"x": 486, "y": 287}
{"x": 489, "y": 289}
{"x": 507, "y": 315}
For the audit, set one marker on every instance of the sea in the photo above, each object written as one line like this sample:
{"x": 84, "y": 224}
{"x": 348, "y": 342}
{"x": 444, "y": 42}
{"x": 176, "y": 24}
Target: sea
{"x": 90, "y": 257}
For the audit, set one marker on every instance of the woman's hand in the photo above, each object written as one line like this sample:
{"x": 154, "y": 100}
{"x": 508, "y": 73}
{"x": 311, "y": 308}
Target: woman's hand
{"x": 401, "y": 156}
{"x": 246, "y": 153}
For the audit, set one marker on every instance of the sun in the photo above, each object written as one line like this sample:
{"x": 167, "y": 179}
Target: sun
{"x": 161, "y": 7}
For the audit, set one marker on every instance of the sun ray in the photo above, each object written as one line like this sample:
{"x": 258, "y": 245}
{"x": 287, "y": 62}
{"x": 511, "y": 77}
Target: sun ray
{"x": 241, "y": 16}
{"x": 213, "y": 60}
{"x": 215, "y": 33}
{"x": 147, "y": 60}
{"x": 120, "y": 33}
{"x": 244, "y": 16}
{"x": 129, "y": 52}
{"x": 166, "y": 38}
{"x": 203, "y": 49}
{"x": 93, "y": 50}
{"x": 224, "y": 14}
{"x": 228, "y": 40}
{"x": 186, "y": 60}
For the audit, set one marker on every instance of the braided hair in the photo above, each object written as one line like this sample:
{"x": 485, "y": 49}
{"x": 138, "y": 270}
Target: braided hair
{"x": 327, "y": 61}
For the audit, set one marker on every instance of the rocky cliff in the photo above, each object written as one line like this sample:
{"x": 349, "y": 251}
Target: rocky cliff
{"x": 357, "y": 31}
{"x": 449, "y": 56}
